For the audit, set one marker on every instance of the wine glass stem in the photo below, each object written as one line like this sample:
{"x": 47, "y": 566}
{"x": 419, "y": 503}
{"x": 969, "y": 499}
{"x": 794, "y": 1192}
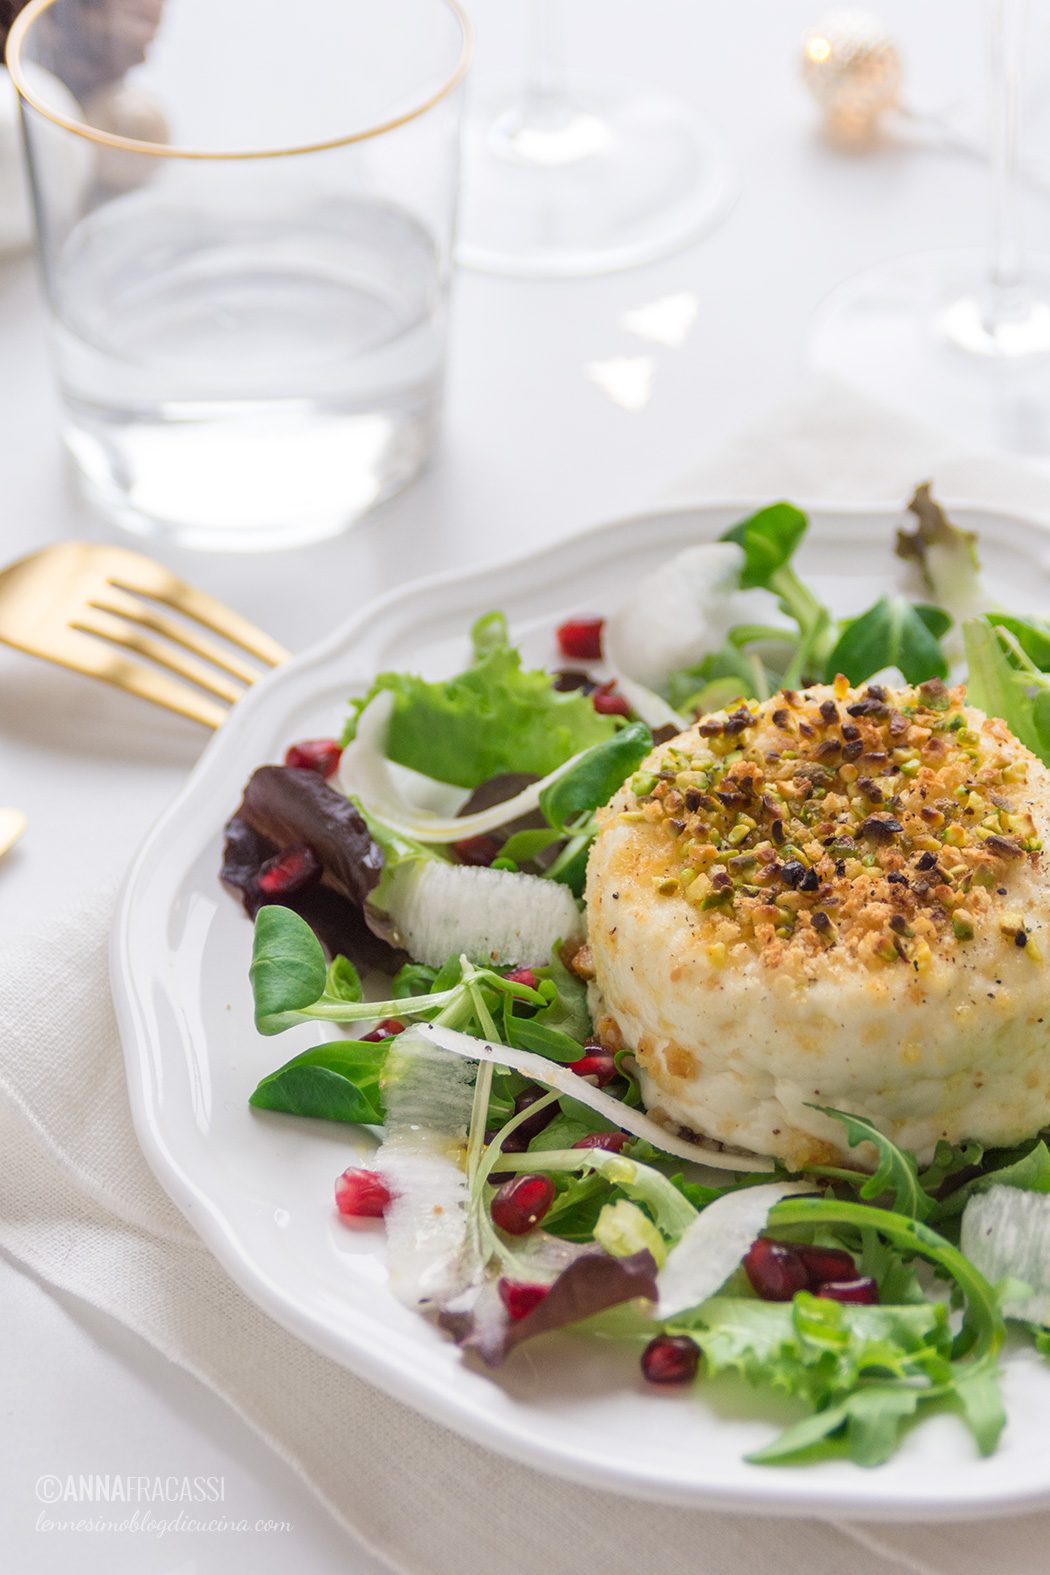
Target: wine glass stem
{"x": 1006, "y": 297}
{"x": 545, "y": 95}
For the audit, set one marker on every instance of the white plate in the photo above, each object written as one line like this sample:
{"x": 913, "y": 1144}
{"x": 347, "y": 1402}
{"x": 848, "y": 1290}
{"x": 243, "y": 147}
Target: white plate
{"x": 258, "y": 1187}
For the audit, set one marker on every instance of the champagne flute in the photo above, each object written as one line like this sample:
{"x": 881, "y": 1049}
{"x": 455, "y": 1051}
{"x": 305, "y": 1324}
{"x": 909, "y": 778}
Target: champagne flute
{"x": 568, "y": 177}
{"x": 961, "y": 338}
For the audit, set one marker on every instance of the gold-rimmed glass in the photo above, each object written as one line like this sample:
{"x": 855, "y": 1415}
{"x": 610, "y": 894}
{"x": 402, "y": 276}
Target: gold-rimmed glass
{"x": 245, "y": 216}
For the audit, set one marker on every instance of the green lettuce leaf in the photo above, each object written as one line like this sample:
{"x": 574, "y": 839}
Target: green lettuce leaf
{"x": 1020, "y": 697}
{"x": 494, "y": 717}
{"x": 831, "y": 1356}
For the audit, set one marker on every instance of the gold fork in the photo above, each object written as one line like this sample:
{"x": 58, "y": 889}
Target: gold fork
{"x": 12, "y": 824}
{"x": 94, "y": 608}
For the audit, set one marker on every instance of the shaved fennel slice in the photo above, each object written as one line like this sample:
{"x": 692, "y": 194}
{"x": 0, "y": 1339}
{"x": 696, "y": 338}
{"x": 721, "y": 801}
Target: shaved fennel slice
{"x": 551, "y": 1075}
{"x": 428, "y": 1105}
{"x": 649, "y": 707}
{"x": 1006, "y": 1234}
{"x": 679, "y": 613}
{"x": 493, "y": 916}
{"x": 365, "y": 774}
{"x": 704, "y": 1257}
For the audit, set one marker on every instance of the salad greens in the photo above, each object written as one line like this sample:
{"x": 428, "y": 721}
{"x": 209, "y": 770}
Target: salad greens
{"x": 628, "y": 1213}
{"x": 759, "y": 657}
{"x": 495, "y": 716}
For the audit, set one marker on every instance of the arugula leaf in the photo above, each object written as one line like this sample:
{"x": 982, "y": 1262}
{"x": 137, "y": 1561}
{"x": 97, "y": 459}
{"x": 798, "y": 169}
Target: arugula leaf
{"x": 335, "y": 1082}
{"x": 1019, "y": 698}
{"x": 593, "y": 780}
{"x": 1029, "y": 1172}
{"x": 948, "y": 1160}
{"x": 494, "y": 717}
{"x": 897, "y": 1172}
{"x": 897, "y": 1281}
{"x": 968, "y": 1378}
{"x": 892, "y": 633}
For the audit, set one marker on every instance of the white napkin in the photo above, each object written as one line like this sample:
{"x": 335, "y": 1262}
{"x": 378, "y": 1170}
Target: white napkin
{"x": 79, "y": 1207}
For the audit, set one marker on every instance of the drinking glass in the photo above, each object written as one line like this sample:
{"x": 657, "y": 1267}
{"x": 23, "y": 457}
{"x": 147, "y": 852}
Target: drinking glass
{"x": 960, "y": 338}
{"x": 567, "y": 176}
{"x": 245, "y": 216}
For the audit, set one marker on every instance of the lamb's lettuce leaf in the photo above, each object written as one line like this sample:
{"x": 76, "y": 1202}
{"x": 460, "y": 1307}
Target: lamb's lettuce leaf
{"x": 892, "y": 633}
{"x": 335, "y": 1082}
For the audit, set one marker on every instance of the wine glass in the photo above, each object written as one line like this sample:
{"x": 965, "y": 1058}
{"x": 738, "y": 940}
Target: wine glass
{"x": 959, "y": 338}
{"x": 568, "y": 177}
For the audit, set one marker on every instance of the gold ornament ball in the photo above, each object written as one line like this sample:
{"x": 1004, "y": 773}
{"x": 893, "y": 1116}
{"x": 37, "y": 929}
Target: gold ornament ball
{"x": 852, "y": 67}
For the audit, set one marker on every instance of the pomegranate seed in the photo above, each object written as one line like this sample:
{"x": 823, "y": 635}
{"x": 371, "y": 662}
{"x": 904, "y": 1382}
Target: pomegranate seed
{"x": 613, "y": 1141}
{"x": 476, "y": 850}
{"x": 289, "y": 871}
{"x": 775, "y": 1270}
{"x": 671, "y": 1359}
{"x": 607, "y": 702}
{"x": 362, "y": 1194}
{"x": 535, "y": 1124}
{"x": 519, "y": 1297}
{"x": 598, "y": 1065}
{"x": 523, "y": 976}
{"x": 315, "y": 754}
{"x": 862, "y": 1289}
{"x": 826, "y": 1263}
{"x": 387, "y": 1029}
{"x": 581, "y": 639}
{"x": 520, "y": 1204}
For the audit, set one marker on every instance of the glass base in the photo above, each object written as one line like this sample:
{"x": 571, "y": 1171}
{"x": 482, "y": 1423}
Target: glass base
{"x": 245, "y": 481}
{"x": 589, "y": 182}
{"x": 917, "y": 334}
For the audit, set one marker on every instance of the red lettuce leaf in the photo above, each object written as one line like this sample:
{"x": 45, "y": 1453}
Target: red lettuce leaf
{"x": 283, "y": 805}
{"x": 590, "y": 1284}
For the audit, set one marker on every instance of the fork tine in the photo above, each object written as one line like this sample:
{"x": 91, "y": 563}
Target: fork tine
{"x": 106, "y": 626}
{"x": 114, "y": 600}
{"x": 132, "y": 572}
{"x": 160, "y": 689}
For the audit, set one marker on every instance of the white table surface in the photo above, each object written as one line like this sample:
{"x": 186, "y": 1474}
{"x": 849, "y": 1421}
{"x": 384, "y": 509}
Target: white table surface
{"x": 531, "y": 451}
